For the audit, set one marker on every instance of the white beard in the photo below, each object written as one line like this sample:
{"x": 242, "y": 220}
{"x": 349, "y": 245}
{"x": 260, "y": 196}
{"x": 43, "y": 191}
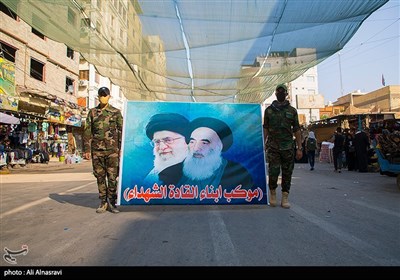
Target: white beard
{"x": 202, "y": 168}
{"x": 162, "y": 162}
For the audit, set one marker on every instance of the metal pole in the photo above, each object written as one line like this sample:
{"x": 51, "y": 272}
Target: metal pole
{"x": 340, "y": 72}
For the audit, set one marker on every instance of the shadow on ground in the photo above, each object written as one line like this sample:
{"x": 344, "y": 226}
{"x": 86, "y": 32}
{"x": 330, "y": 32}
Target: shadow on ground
{"x": 89, "y": 200}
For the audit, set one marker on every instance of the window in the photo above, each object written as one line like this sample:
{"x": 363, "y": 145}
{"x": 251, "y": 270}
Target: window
{"x": 310, "y": 79}
{"x": 71, "y": 16}
{"x": 69, "y": 86}
{"x": 8, "y": 11}
{"x": 98, "y": 26}
{"x": 85, "y": 22}
{"x": 37, "y": 70}
{"x": 124, "y": 15}
{"x": 37, "y": 33}
{"x": 39, "y": 23}
{"x": 311, "y": 91}
{"x": 97, "y": 77}
{"x": 70, "y": 53}
{"x": 7, "y": 52}
{"x": 84, "y": 75}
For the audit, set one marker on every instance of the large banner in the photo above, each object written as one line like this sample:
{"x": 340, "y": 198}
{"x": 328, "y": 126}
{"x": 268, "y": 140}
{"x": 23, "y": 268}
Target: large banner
{"x": 8, "y": 100}
{"x": 192, "y": 153}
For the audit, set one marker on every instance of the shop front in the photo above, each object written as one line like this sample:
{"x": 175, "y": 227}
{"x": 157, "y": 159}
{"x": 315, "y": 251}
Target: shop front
{"x": 42, "y": 131}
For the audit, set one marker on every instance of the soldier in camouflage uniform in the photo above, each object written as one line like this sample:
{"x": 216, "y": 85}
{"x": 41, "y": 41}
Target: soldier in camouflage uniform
{"x": 280, "y": 123}
{"x": 102, "y": 141}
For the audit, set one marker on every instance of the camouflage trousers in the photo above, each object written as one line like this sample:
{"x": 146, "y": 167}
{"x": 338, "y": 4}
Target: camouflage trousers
{"x": 105, "y": 169}
{"x": 276, "y": 160}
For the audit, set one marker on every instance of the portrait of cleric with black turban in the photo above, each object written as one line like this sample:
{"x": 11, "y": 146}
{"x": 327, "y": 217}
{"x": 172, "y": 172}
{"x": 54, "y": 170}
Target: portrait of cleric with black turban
{"x": 190, "y": 153}
{"x": 204, "y": 164}
{"x": 168, "y": 136}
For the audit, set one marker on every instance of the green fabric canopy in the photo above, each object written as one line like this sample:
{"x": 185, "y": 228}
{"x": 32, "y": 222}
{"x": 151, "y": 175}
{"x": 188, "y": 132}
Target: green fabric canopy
{"x": 203, "y": 51}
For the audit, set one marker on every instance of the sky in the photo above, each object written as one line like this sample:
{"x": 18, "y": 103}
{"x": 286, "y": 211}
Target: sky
{"x": 373, "y": 51}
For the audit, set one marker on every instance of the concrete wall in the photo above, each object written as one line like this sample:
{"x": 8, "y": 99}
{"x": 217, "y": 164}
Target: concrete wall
{"x": 386, "y": 99}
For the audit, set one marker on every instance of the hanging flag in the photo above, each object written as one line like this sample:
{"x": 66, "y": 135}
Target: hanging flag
{"x": 383, "y": 80}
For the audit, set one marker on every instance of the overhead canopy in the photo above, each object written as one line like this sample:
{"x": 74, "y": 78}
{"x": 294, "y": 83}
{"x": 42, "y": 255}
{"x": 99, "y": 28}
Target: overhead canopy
{"x": 206, "y": 50}
{"x": 8, "y": 119}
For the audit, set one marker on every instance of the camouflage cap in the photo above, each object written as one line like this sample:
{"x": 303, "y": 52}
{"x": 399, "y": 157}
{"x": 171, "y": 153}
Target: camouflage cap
{"x": 103, "y": 91}
{"x": 281, "y": 86}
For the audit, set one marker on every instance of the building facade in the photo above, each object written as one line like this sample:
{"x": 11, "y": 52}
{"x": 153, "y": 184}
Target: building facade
{"x": 46, "y": 72}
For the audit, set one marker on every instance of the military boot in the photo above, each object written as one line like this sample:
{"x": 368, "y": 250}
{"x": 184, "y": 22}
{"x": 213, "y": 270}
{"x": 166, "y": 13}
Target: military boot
{"x": 112, "y": 207}
{"x": 272, "y": 198}
{"x": 285, "y": 202}
{"x": 102, "y": 208}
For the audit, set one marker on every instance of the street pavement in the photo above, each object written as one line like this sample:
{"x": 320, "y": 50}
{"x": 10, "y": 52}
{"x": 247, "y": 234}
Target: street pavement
{"x": 53, "y": 165}
{"x": 336, "y": 219}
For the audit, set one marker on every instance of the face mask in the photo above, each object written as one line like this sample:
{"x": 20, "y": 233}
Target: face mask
{"x": 281, "y": 96}
{"x": 103, "y": 99}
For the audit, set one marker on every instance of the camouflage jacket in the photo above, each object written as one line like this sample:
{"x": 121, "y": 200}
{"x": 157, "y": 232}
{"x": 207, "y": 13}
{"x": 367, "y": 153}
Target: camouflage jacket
{"x": 103, "y": 129}
{"x": 280, "y": 122}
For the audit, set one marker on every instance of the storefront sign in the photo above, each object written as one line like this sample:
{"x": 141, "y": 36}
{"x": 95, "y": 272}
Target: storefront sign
{"x": 74, "y": 120}
{"x": 8, "y": 102}
{"x": 55, "y": 116}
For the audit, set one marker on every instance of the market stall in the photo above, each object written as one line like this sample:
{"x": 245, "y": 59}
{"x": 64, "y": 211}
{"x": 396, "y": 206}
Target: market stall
{"x": 387, "y": 147}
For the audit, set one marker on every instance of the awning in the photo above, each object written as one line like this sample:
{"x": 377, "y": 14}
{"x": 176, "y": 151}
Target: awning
{"x": 8, "y": 119}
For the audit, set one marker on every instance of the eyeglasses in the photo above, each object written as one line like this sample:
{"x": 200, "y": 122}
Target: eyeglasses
{"x": 166, "y": 141}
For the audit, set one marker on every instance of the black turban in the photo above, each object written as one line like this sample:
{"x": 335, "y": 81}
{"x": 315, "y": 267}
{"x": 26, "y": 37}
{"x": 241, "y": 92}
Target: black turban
{"x": 221, "y": 128}
{"x": 167, "y": 121}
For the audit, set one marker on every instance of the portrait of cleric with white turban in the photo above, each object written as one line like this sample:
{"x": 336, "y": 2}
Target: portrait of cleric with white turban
{"x": 204, "y": 164}
{"x": 168, "y": 136}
